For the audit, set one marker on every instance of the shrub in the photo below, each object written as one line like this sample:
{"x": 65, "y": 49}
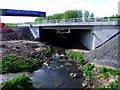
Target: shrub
{"x": 19, "y": 83}
{"x": 13, "y": 63}
{"x": 76, "y": 56}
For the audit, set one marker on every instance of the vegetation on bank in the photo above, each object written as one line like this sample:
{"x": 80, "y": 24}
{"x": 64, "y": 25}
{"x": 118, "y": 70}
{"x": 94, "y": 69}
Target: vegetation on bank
{"x": 45, "y": 50}
{"x": 112, "y": 86}
{"x": 14, "y": 63}
{"x": 18, "y": 83}
{"x": 108, "y": 71}
{"x": 88, "y": 69}
{"x": 76, "y": 56}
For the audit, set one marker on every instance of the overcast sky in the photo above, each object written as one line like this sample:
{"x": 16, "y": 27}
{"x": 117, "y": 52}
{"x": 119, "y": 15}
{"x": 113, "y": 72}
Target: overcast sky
{"x": 100, "y": 8}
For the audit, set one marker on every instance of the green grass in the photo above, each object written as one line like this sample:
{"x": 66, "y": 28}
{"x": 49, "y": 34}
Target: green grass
{"x": 19, "y": 83}
{"x": 108, "y": 71}
{"x": 45, "y": 50}
{"x": 87, "y": 70}
{"x": 10, "y": 25}
{"x": 76, "y": 56}
{"x": 112, "y": 86}
{"x": 13, "y": 63}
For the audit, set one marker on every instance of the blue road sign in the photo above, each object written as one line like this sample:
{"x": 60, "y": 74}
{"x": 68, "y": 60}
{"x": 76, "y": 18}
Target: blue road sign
{"x": 12, "y": 12}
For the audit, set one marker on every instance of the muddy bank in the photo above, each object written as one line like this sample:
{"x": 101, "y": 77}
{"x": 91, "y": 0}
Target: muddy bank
{"x": 21, "y": 47}
{"x": 16, "y": 33}
{"x": 56, "y": 69}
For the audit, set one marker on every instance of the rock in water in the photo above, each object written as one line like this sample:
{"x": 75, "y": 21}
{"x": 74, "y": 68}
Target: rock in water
{"x": 73, "y": 75}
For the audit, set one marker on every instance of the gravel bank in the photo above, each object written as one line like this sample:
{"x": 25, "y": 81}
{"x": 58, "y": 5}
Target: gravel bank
{"x": 107, "y": 54}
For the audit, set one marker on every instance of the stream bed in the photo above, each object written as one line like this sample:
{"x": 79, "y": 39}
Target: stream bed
{"x": 56, "y": 72}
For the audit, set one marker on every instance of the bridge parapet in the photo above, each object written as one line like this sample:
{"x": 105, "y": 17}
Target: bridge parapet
{"x": 74, "y": 21}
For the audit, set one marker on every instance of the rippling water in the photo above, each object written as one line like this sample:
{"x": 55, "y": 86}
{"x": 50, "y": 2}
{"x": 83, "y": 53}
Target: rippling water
{"x": 57, "y": 73}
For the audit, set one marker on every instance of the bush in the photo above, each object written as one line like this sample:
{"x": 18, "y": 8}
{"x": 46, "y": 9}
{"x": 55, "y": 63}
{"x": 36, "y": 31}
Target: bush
{"x": 13, "y": 63}
{"x": 76, "y": 56}
{"x": 19, "y": 83}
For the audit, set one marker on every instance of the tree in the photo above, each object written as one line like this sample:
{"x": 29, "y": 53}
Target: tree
{"x": 70, "y": 14}
{"x": 57, "y": 16}
{"x": 38, "y": 20}
{"x": 92, "y": 15}
{"x": 86, "y": 14}
{"x": 79, "y": 12}
{"x": 49, "y": 17}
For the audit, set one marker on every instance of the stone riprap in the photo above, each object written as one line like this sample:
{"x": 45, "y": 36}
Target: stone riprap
{"x": 107, "y": 54}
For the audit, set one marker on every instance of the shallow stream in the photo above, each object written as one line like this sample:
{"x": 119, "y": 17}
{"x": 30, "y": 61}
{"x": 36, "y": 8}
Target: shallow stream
{"x": 56, "y": 72}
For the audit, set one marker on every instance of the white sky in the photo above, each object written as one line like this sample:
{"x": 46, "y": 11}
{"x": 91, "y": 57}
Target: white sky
{"x": 100, "y": 8}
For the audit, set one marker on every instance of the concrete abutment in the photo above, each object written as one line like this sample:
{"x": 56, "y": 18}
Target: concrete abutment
{"x": 90, "y": 38}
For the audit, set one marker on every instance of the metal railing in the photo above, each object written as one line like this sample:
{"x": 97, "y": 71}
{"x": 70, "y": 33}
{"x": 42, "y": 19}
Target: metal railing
{"x": 73, "y": 20}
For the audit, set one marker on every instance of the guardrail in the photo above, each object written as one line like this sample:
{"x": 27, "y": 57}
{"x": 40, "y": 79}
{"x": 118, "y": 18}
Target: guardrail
{"x": 73, "y": 20}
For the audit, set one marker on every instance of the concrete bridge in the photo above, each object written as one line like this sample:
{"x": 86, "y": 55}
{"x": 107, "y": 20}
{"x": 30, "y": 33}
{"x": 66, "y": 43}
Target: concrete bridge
{"x": 91, "y": 32}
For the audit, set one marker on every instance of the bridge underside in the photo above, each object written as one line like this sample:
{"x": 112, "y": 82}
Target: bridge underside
{"x": 91, "y": 37}
{"x": 67, "y": 39}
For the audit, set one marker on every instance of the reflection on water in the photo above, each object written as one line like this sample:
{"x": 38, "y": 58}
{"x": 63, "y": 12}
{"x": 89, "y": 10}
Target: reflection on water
{"x": 57, "y": 73}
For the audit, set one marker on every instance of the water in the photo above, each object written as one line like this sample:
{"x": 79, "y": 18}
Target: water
{"x": 57, "y": 73}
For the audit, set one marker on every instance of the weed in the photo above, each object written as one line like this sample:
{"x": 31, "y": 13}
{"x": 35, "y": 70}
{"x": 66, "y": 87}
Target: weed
{"x": 13, "y": 63}
{"x": 112, "y": 86}
{"x": 102, "y": 70}
{"x": 87, "y": 70}
{"x": 19, "y": 83}
{"x": 105, "y": 75}
{"x": 76, "y": 56}
{"x": 45, "y": 50}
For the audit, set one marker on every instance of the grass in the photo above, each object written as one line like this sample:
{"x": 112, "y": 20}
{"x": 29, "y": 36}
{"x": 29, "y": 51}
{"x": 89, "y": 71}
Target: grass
{"x": 108, "y": 71}
{"x": 45, "y": 50}
{"x": 87, "y": 70}
{"x": 112, "y": 86}
{"x": 19, "y": 83}
{"x": 76, "y": 56}
{"x": 10, "y": 25}
{"x": 13, "y": 63}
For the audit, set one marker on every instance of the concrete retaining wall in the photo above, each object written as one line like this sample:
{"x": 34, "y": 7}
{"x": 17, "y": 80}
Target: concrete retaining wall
{"x": 86, "y": 38}
{"x": 35, "y": 31}
{"x": 102, "y": 34}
